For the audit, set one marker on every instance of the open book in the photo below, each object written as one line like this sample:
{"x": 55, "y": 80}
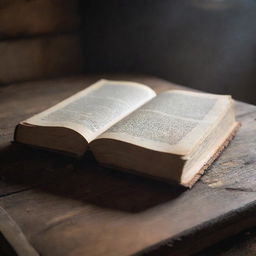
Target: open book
{"x": 173, "y": 136}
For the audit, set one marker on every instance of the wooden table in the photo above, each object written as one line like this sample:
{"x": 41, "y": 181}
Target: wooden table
{"x": 56, "y": 205}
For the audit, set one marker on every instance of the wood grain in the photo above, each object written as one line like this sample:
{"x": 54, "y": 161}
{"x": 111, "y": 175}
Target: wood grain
{"x": 69, "y": 207}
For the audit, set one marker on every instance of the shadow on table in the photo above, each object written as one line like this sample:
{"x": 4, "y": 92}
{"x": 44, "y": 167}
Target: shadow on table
{"x": 23, "y": 168}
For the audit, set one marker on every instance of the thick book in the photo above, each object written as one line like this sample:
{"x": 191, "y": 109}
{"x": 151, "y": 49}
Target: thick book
{"x": 173, "y": 136}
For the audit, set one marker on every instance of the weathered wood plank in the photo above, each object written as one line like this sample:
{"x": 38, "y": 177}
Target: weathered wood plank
{"x": 243, "y": 244}
{"x": 29, "y": 18}
{"x": 11, "y": 231}
{"x": 42, "y": 57}
{"x": 78, "y": 208}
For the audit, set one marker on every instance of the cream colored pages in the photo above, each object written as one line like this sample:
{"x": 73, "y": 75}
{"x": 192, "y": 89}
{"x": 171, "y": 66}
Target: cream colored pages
{"x": 174, "y": 121}
{"x": 95, "y": 109}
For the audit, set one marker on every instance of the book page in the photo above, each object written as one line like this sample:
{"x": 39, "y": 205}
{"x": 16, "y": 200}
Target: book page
{"x": 95, "y": 109}
{"x": 172, "y": 122}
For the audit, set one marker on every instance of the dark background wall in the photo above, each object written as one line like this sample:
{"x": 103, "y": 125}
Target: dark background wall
{"x": 205, "y": 44}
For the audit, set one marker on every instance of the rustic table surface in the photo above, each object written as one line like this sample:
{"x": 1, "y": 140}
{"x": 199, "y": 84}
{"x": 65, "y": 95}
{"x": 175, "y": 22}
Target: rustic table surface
{"x": 56, "y": 205}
